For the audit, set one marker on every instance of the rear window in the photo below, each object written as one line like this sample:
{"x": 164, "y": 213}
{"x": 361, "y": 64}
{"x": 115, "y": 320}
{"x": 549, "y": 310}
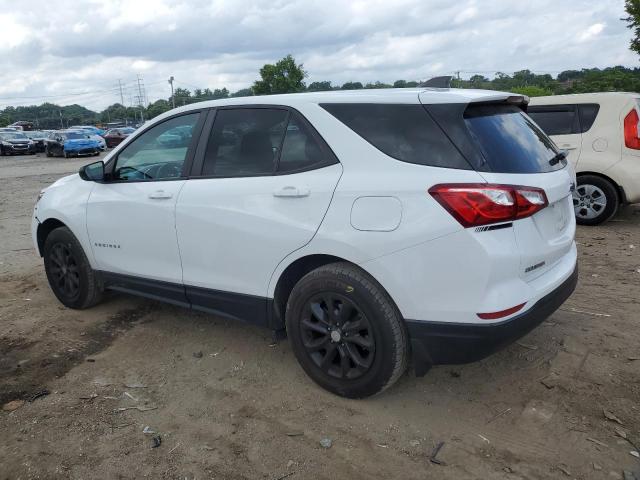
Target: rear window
{"x": 509, "y": 141}
{"x": 404, "y": 132}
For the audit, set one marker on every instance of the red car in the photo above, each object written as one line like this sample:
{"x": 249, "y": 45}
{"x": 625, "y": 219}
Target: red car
{"x": 116, "y": 135}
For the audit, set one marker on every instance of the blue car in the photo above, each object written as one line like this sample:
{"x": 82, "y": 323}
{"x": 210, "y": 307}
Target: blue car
{"x": 90, "y": 128}
{"x": 71, "y": 143}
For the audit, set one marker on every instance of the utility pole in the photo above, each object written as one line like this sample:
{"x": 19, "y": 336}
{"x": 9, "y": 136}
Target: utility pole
{"x": 61, "y": 122}
{"x": 173, "y": 98}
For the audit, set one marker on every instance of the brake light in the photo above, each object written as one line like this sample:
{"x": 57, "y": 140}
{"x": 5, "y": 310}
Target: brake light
{"x": 631, "y": 137}
{"x": 475, "y": 204}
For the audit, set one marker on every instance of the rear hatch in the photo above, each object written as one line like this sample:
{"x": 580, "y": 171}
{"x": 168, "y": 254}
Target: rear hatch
{"x": 507, "y": 148}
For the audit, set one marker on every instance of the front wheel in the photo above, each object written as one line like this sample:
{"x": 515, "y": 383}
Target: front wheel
{"x": 346, "y": 332}
{"x": 69, "y": 273}
{"x": 595, "y": 200}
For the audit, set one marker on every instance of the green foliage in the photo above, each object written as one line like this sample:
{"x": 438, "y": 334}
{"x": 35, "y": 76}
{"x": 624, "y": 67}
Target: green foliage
{"x": 632, "y": 7}
{"x": 351, "y": 86}
{"x": 532, "y": 91}
{"x": 319, "y": 86}
{"x": 283, "y": 77}
{"x": 244, "y": 92}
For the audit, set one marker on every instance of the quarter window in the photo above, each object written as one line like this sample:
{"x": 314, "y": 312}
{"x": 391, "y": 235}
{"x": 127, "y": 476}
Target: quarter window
{"x": 404, "y": 132}
{"x": 159, "y": 153}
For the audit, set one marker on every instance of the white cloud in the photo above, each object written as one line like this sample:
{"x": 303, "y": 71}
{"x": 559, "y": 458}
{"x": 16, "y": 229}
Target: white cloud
{"x": 592, "y": 31}
{"x": 78, "y": 50}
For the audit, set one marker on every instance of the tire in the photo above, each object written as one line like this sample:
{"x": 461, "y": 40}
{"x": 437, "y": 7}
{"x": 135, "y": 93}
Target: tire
{"x": 376, "y": 348}
{"x": 65, "y": 154}
{"x": 595, "y": 200}
{"x": 48, "y": 153}
{"x": 62, "y": 251}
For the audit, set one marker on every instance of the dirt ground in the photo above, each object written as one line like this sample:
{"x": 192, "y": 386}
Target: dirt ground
{"x": 229, "y": 404}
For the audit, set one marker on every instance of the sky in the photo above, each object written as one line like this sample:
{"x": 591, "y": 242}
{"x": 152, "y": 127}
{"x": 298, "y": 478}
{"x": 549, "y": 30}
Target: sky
{"x": 77, "y": 51}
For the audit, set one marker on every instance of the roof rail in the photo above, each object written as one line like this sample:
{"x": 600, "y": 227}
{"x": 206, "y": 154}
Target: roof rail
{"x": 438, "y": 82}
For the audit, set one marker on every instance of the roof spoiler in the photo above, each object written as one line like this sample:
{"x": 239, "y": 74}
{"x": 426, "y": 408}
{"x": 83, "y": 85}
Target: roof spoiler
{"x": 438, "y": 82}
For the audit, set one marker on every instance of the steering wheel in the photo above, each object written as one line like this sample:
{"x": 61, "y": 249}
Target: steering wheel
{"x": 169, "y": 170}
{"x": 122, "y": 170}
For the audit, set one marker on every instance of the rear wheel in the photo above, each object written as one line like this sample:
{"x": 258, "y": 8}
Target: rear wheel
{"x": 346, "y": 332}
{"x": 47, "y": 152}
{"x": 595, "y": 200}
{"x": 69, "y": 273}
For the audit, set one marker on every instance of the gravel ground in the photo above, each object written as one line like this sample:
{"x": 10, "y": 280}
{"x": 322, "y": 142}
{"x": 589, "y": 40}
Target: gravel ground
{"x": 229, "y": 404}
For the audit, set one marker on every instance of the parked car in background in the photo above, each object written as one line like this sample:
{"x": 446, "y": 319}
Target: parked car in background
{"x": 39, "y": 139}
{"x": 15, "y": 142}
{"x": 9, "y": 129}
{"x": 91, "y": 128}
{"x": 115, "y": 136}
{"x": 372, "y": 227}
{"x": 71, "y": 143}
{"x": 600, "y": 133}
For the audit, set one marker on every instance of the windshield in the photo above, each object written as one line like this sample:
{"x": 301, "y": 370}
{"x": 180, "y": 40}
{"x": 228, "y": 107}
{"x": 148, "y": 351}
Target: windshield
{"x": 35, "y": 134}
{"x": 127, "y": 130}
{"x": 13, "y": 136}
{"x": 510, "y": 141}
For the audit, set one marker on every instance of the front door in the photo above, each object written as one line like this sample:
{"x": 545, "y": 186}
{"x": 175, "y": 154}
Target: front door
{"x": 265, "y": 184}
{"x": 131, "y": 217}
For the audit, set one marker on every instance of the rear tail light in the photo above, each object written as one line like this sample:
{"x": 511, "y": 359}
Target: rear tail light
{"x": 475, "y": 204}
{"x": 631, "y": 137}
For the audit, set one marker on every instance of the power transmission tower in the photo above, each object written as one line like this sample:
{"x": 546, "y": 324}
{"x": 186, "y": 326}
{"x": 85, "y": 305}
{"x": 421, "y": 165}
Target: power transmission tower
{"x": 141, "y": 97}
{"x": 121, "y": 95}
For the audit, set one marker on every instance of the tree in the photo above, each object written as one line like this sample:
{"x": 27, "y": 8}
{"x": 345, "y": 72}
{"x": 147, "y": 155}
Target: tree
{"x": 532, "y": 91}
{"x": 244, "y": 92}
{"x": 319, "y": 86}
{"x": 283, "y": 77}
{"x": 632, "y": 7}
{"x": 351, "y": 86}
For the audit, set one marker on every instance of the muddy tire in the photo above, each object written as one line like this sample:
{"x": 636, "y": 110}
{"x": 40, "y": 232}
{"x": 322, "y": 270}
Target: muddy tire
{"x": 346, "y": 332}
{"x": 69, "y": 273}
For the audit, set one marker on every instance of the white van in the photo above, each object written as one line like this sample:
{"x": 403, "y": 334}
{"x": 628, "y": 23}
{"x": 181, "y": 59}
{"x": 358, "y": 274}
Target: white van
{"x": 600, "y": 133}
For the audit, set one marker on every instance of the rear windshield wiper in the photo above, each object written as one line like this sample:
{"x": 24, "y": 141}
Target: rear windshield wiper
{"x": 556, "y": 159}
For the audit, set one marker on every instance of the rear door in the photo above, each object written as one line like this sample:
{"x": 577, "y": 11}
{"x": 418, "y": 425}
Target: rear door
{"x": 562, "y": 124}
{"x": 260, "y": 191}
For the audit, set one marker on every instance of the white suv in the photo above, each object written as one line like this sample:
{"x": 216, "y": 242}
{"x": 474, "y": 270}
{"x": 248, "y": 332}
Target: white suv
{"x": 600, "y": 133}
{"x": 372, "y": 226}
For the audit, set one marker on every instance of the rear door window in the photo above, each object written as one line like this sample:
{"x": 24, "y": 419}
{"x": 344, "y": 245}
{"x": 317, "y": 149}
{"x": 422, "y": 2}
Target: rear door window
{"x": 509, "y": 141}
{"x": 556, "y": 119}
{"x": 404, "y": 132}
{"x": 245, "y": 142}
{"x": 302, "y": 148}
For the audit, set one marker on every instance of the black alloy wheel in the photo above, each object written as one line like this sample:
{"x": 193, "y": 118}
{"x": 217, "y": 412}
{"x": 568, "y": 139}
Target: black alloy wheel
{"x": 337, "y": 336}
{"x": 64, "y": 271}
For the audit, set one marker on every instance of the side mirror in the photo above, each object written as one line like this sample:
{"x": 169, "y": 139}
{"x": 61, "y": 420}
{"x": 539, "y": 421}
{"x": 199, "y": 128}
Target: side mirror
{"x": 94, "y": 172}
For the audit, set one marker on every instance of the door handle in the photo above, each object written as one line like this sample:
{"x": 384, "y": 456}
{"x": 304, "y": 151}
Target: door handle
{"x": 291, "y": 191}
{"x": 160, "y": 195}
{"x": 568, "y": 146}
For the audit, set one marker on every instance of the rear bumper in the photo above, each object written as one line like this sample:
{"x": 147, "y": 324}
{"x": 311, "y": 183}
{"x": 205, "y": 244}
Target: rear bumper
{"x": 436, "y": 343}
